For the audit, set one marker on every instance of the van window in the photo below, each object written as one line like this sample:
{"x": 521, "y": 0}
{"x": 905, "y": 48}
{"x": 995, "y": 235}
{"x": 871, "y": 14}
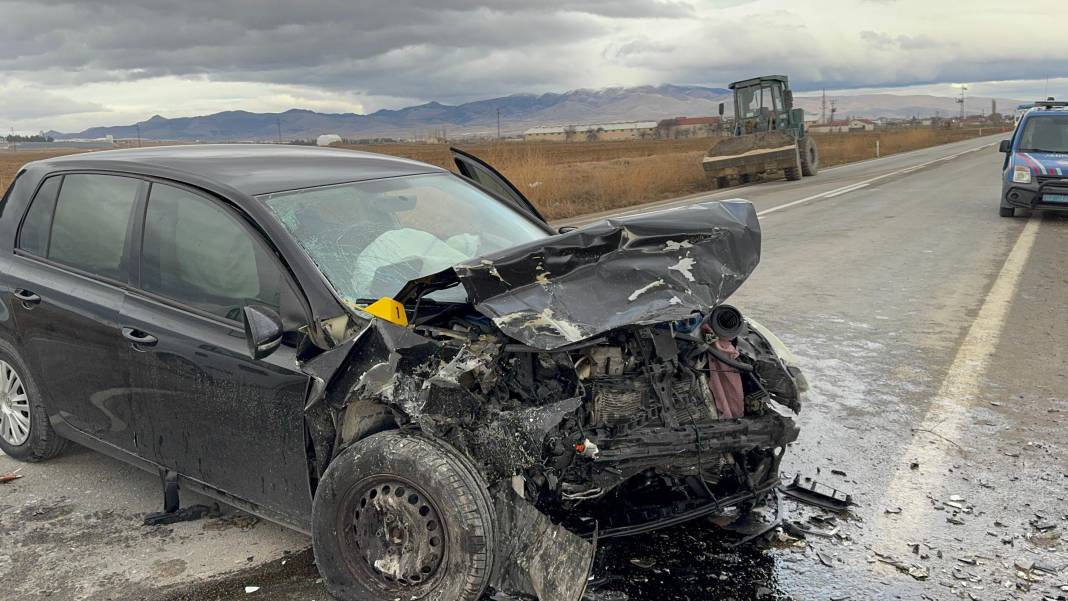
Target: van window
{"x": 197, "y": 253}
{"x": 91, "y": 219}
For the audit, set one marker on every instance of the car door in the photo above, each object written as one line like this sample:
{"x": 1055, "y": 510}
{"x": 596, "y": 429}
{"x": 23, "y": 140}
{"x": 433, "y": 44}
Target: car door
{"x": 67, "y": 278}
{"x": 203, "y": 406}
{"x": 478, "y": 171}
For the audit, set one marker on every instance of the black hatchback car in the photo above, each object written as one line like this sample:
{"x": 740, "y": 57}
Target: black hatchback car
{"x": 408, "y": 364}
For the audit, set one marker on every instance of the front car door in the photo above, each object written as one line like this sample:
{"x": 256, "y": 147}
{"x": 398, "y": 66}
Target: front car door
{"x": 480, "y": 172}
{"x": 203, "y": 406}
{"x": 67, "y": 280}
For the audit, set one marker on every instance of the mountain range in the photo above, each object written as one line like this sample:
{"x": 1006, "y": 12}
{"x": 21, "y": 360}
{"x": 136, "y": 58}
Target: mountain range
{"x": 517, "y": 113}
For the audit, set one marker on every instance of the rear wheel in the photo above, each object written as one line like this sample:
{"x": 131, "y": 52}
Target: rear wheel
{"x": 810, "y": 156}
{"x": 1007, "y": 211}
{"x": 792, "y": 173}
{"x": 402, "y": 517}
{"x": 25, "y": 432}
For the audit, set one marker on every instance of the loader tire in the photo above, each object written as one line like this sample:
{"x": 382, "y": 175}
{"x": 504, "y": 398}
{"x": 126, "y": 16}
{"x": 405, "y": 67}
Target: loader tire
{"x": 810, "y": 156}
{"x": 792, "y": 173}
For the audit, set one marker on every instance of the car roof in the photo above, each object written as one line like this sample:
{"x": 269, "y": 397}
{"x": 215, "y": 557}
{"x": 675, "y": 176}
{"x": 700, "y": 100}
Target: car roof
{"x": 249, "y": 168}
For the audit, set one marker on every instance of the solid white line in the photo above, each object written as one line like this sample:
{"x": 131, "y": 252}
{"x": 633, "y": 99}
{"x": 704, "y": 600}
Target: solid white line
{"x": 847, "y": 190}
{"x": 950, "y": 409}
{"x": 867, "y": 182}
{"x": 683, "y": 201}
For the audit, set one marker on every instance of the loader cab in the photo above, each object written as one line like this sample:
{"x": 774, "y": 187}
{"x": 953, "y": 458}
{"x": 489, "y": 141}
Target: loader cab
{"x": 764, "y": 104}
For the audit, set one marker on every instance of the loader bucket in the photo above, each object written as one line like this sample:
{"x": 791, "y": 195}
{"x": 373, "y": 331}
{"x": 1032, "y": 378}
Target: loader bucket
{"x": 750, "y": 155}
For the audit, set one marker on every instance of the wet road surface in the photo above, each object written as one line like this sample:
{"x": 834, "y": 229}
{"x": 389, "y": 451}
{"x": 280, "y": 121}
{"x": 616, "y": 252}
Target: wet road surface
{"x": 933, "y": 333}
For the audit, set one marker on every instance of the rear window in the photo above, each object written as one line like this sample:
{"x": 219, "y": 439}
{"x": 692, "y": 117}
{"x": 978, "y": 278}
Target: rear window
{"x": 35, "y": 228}
{"x": 91, "y": 220}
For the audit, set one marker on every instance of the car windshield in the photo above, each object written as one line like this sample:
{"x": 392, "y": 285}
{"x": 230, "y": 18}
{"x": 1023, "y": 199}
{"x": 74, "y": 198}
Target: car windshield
{"x": 370, "y": 238}
{"x": 1045, "y": 133}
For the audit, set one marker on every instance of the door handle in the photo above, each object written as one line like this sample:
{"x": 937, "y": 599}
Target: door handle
{"x": 27, "y": 297}
{"x": 138, "y": 337}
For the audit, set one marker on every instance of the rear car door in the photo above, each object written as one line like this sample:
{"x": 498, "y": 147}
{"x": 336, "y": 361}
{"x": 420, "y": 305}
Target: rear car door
{"x": 68, "y": 276}
{"x": 204, "y": 407}
{"x": 478, "y": 171}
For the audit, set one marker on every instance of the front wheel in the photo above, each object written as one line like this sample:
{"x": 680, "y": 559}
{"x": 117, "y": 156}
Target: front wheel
{"x": 402, "y": 517}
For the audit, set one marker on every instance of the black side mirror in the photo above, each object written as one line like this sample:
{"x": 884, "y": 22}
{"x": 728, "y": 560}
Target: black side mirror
{"x": 263, "y": 330}
{"x": 721, "y": 109}
{"x": 788, "y": 95}
{"x": 1005, "y": 146}
{"x": 566, "y": 228}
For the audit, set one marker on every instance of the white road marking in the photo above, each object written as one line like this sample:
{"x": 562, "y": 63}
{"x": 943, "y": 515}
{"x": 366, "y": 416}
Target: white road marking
{"x": 951, "y": 406}
{"x": 581, "y": 220}
{"x": 867, "y": 182}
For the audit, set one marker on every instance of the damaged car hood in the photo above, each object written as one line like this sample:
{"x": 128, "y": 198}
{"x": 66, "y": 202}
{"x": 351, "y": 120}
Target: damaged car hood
{"x": 642, "y": 269}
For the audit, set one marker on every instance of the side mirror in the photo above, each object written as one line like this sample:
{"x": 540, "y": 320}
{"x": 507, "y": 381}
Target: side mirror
{"x": 263, "y": 330}
{"x": 565, "y": 229}
{"x": 721, "y": 109}
{"x": 788, "y": 95}
{"x": 1005, "y": 146}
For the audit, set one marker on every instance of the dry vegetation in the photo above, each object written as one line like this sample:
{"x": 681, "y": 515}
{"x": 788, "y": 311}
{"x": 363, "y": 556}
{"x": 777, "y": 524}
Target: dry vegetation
{"x": 568, "y": 179}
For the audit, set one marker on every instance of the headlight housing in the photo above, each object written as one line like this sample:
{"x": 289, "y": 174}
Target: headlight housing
{"x": 1021, "y": 175}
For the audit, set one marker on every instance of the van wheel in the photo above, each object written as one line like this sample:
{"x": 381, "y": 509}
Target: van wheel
{"x": 25, "y": 432}
{"x": 398, "y": 516}
{"x": 1007, "y": 211}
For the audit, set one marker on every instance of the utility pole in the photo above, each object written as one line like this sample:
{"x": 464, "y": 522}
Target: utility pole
{"x": 823, "y": 108}
{"x": 139, "y": 135}
{"x": 14, "y": 142}
{"x": 834, "y": 108}
{"x": 960, "y": 101}
{"x": 498, "y": 123}
{"x": 278, "y": 122}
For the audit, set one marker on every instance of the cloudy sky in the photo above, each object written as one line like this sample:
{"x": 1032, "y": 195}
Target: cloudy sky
{"x": 71, "y": 65}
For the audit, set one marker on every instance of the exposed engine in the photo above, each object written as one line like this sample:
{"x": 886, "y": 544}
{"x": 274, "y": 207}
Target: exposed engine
{"x": 625, "y": 429}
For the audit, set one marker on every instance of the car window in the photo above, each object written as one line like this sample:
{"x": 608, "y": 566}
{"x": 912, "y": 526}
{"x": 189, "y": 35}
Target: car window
{"x": 90, "y": 224}
{"x": 370, "y": 238}
{"x": 196, "y": 252}
{"x": 35, "y": 228}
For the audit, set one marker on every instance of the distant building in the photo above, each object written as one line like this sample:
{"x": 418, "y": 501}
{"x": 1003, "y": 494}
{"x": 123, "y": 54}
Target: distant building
{"x": 688, "y": 127}
{"x": 328, "y": 139}
{"x": 843, "y": 126}
{"x": 590, "y": 132}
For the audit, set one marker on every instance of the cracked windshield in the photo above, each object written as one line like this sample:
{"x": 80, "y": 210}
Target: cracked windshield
{"x": 370, "y": 238}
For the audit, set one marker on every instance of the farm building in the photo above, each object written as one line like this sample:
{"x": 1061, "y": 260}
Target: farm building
{"x": 632, "y": 130}
{"x": 848, "y": 125}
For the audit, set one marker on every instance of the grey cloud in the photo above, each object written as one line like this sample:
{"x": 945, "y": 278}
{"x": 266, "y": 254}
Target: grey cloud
{"x": 21, "y": 103}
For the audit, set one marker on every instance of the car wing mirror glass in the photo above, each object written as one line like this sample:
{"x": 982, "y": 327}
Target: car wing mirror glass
{"x": 565, "y": 229}
{"x": 263, "y": 330}
{"x": 1005, "y": 146}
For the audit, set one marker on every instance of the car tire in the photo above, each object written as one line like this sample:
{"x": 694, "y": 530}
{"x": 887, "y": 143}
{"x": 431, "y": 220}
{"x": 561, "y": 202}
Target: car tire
{"x": 1007, "y": 211}
{"x": 21, "y": 403}
{"x": 810, "y": 156}
{"x": 442, "y": 537}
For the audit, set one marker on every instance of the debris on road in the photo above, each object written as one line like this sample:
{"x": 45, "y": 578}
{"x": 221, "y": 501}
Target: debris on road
{"x": 10, "y": 476}
{"x": 810, "y": 492}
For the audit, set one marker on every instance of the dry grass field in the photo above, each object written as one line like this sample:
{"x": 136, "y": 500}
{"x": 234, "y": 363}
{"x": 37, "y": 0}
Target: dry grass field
{"x": 568, "y": 179}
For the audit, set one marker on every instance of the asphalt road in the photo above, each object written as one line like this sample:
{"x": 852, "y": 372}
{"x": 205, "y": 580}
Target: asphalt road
{"x": 933, "y": 334}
